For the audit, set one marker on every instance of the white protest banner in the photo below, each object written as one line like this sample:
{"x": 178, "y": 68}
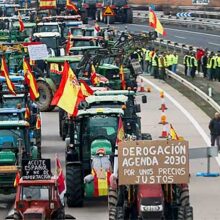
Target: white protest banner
{"x": 38, "y": 52}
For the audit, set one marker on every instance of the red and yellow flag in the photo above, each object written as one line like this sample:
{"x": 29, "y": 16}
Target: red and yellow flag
{"x": 71, "y": 6}
{"x": 86, "y": 90}
{"x": 69, "y": 94}
{"x": 121, "y": 132}
{"x": 30, "y": 80}
{"x": 97, "y": 27}
{"x": 4, "y": 72}
{"x": 68, "y": 44}
{"x": 21, "y": 23}
{"x": 27, "y": 113}
{"x": 38, "y": 122}
{"x": 17, "y": 178}
{"x": 61, "y": 184}
{"x": 101, "y": 185}
{"x": 154, "y": 22}
{"x": 94, "y": 78}
{"x": 173, "y": 133}
{"x": 122, "y": 77}
{"x": 48, "y": 4}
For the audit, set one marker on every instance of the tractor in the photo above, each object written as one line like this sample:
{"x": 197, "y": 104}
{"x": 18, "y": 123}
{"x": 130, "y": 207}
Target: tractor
{"x": 123, "y": 12}
{"x": 38, "y": 199}
{"x": 90, "y": 7}
{"x": 17, "y": 105}
{"x": 92, "y": 138}
{"x": 9, "y": 10}
{"x": 48, "y": 84}
{"x": 15, "y": 145}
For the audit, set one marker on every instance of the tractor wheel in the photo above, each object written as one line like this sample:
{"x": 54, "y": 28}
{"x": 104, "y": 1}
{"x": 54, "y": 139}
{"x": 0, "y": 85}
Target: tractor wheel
{"x": 60, "y": 214}
{"x": 119, "y": 213}
{"x": 146, "y": 136}
{"x": 74, "y": 186}
{"x": 188, "y": 213}
{"x": 45, "y": 98}
{"x": 181, "y": 213}
{"x": 112, "y": 213}
{"x": 112, "y": 203}
{"x": 129, "y": 16}
{"x": 184, "y": 197}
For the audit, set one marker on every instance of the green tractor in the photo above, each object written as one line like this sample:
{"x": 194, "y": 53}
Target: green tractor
{"x": 9, "y": 30}
{"x": 92, "y": 140}
{"x": 48, "y": 84}
{"x": 15, "y": 145}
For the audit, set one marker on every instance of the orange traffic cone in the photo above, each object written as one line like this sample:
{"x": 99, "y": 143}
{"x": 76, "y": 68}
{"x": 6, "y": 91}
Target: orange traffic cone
{"x": 163, "y": 105}
{"x": 142, "y": 86}
{"x": 164, "y": 133}
{"x": 163, "y": 119}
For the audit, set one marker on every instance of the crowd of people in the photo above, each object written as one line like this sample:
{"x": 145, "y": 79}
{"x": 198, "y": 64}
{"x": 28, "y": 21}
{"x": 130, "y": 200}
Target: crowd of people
{"x": 156, "y": 62}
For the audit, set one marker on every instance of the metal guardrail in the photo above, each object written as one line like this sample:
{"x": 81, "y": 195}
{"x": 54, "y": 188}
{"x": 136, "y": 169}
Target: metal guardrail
{"x": 198, "y": 91}
{"x": 206, "y": 24}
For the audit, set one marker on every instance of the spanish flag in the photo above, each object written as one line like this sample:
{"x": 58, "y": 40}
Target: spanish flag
{"x": 121, "y": 132}
{"x": 94, "y": 78}
{"x": 30, "y": 80}
{"x": 61, "y": 184}
{"x": 122, "y": 77}
{"x": 71, "y": 6}
{"x": 101, "y": 185}
{"x": 4, "y": 72}
{"x": 38, "y": 122}
{"x": 17, "y": 178}
{"x": 155, "y": 23}
{"x": 48, "y": 4}
{"x": 21, "y": 23}
{"x": 173, "y": 133}
{"x": 68, "y": 44}
{"x": 69, "y": 94}
{"x": 86, "y": 90}
{"x": 27, "y": 113}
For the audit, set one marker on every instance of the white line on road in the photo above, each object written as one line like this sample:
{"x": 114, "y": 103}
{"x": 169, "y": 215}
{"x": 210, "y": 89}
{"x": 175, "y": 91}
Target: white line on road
{"x": 179, "y": 37}
{"x": 186, "y": 113}
{"x": 215, "y": 44}
{"x": 193, "y": 32}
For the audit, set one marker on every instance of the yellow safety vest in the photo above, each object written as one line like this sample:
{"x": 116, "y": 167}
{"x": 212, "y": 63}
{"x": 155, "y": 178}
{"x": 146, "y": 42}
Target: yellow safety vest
{"x": 154, "y": 62}
{"x": 175, "y": 59}
{"x": 162, "y": 62}
{"x": 218, "y": 62}
{"x": 169, "y": 60}
{"x": 147, "y": 55}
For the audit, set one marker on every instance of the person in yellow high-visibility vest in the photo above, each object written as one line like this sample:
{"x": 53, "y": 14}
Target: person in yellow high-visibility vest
{"x": 218, "y": 66}
{"x": 143, "y": 54}
{"x": 211, "y": 66}
{"x": 169, "y": 58}
{"x": 175, "y": 59}
{"x": 155, "y": 64}
{"x": 151, "y": 54}
{"x": 162, "y": 65}
{"x": 147, "y": 61}
{"x": 185, "y": 58}
{"x": 193, "y": 65}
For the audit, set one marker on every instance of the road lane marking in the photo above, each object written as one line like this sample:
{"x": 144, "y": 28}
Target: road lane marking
{"x": 200, "y": 33}
{"x": 186, "y": 113}
{"x": 215, "y": 44}
{"x": 179, "y": 37}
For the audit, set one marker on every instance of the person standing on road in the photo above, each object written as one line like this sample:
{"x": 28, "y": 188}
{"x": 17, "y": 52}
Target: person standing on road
{"x": 193, "y": 65}
{"x": 169, "y": 59}
{"x": 162, "y": 66}
{"x": 185, "y": 60}
{"x": 147, "y": 60}
{"x": 175, "y": 59}
{"x": 204, "y": 61}
{"x": 214, "y": 127}
{"x": 155, "y": 64}
{"x": 211, "y": 66}
{"x": 218, "y": 66}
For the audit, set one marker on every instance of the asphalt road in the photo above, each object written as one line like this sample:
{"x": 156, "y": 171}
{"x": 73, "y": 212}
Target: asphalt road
{"x": 193, "y": 38}
{"x": 204, "y": 192}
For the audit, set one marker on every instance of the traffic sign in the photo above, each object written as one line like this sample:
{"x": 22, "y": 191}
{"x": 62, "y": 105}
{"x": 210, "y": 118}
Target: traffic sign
{"x": 109, "y": 11}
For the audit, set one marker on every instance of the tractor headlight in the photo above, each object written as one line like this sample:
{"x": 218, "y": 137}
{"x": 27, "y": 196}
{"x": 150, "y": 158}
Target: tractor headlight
{"x": 151, "y": 208}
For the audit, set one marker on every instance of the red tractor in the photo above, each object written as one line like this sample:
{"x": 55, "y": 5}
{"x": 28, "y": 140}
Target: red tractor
{"x": 38, "y": 200}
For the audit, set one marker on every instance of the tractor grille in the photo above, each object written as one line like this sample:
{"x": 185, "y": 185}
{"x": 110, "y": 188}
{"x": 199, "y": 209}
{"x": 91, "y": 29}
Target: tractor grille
{"x": 33, "y": 216}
